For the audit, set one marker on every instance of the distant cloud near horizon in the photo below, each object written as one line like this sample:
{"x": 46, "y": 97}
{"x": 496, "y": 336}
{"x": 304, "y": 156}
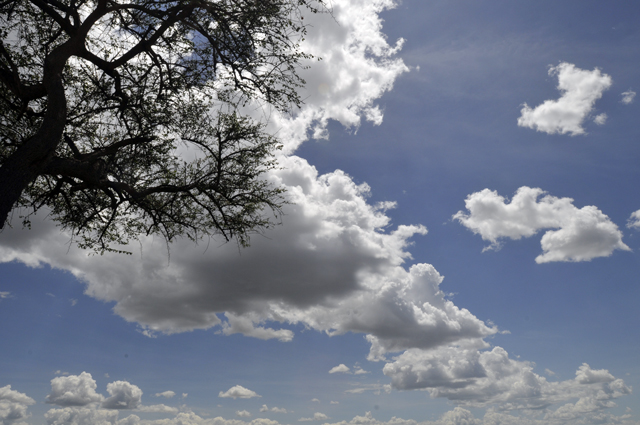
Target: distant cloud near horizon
{"x": 580, "y": 89}
{"x": 581, "y": 235}
{"x": 238, "y": 391}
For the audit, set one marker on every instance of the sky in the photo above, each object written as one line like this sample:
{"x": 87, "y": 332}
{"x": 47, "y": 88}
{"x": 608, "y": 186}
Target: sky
{"x": 461, "y": 245}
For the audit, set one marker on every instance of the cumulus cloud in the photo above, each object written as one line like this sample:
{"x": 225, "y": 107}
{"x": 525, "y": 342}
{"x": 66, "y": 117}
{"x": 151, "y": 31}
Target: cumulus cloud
{"x": 123, "y": 395}
{"x": 246, "y": 325}
{"x": 74, "y": 390}
{"x": 480, "y": 378}
{"x": 358, "y": 65}
{"x": 634, "y": 220}
{"x": 265, "y": 408}
{"x": 243, "y": 414}
{"x": 581, "y": 235}
{"x": 580, "y": 89}
{"x": 360, "y": 371}
{"x": 238, "y": 391}
{"x": 600, "y": 119}
{"x": 13, "y": 406}
{"x": 166, "y": 394}
{"x": 628, "y": 97}
{"x": 157, "y": 408}
{"x": 334, "y": 265}
{"x": 81, "y": 416}
{"x": 341, "y": 368}
{"x": 317, "y": 416}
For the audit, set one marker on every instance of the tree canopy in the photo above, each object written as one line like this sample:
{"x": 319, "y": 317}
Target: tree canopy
{"x": 120, "y": 117}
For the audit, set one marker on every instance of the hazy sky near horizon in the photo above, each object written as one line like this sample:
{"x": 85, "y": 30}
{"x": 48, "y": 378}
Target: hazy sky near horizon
{"x": 461, "y": 246}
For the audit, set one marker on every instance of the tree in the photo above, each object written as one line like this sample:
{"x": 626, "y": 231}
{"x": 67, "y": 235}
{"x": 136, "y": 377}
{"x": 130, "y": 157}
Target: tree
{"x": 121, "y": 116}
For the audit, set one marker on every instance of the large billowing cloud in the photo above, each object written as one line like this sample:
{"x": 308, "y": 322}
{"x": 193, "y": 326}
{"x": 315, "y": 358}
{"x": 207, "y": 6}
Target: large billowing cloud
{"x": 582, "y": 233}
{"x": 580, "y": 89}
{"x": 122, "y": 395}
{"x": 13, "y": 406}
{"x": 357, "y": 66}
{"x": 74, "y": 390}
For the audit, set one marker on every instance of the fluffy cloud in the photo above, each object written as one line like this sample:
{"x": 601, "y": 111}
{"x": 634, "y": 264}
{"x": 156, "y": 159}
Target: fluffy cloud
{"x": 317, "y": 416}
{"x": 582, "y": 234}
{"x": 628, "y": 97}
{"x": 580, "y": 89}
{"x": 333, "y": 265}
{"x": 357, "y": 67}
{"x": 13, "y": 406}
{"x": 341, "y": 368}
{"x": 74, "y": 390}
{"x": 81, "y": 416}
{"x": 600, "y": 119}
{"x": 243, "y": 414}
{"x": 238, "y": 391}
{"x": 634, "y": 220}
{"x": 265, "y": 408}
{"x": 166, "y": 394}
{"x": 123, "y": 395}
{"x": 480, "y": 378}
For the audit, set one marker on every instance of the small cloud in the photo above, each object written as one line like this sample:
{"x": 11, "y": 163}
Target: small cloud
{"x": 316, "y": 417}
{"x": 5, "y": 295}
{"x": 157, "y": 408}
{"x": 628, "y": 96}
{"x": 335, "y": 402}
{"x": 243, "y": 414}
{"x": 264, "y": 408}
{"x": 238, "y": 392}
{"x": 634, "y": 220}
{"x": 51, "y": 295}
{"x": 73, "y": 302}
{"x": 549, "y": 372}
{"x": 580, "y": 89}
{"x": 600, "y": 119}
{"x": 184, "y": 395}
{"x": 59, "y": 372}
{"x": 166, "y": 394}
{"x": 341, "y": 368}
{"x": 315, "y": 400}
{"x": 106, "y": 375}
{"x": 360, "y": 371}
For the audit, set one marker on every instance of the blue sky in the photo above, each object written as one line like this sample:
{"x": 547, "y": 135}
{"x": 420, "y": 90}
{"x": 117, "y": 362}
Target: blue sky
{"x": 416, "y": 319}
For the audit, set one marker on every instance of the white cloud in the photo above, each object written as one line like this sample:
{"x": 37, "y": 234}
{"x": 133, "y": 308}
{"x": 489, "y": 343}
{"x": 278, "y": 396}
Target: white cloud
{"x": 157, "y": 408}
{"x": 600, "y": 119}
{"x": 243, "y": 414}
{"x": 628, "y": 97}
{"x": 238, "y": 391}
{"x": 5, "y": 294}
{"x": 341, "y": 368}
{"x": 334, "y": 402}
{"x": 74, "y": 390}
{"x": 583, "y": 234}
{"x": 580, "y": 89}
{"x": 123, "y": 395}
{"x": 13, "y": 405}
{"x": 357, "y": 67}
{"x": 634, "y": 220}
{"x": 315, "y": 400}
{"x": 166, "y": 394}
{"x": 469, "y": 375}
{"x": 317, "y": 416}
{"x": 334, "y": 265}
{"x": 264, "y": 408}
{"x": 81, "y": 416}
{"x": 246, "y": 325}
{"x": 360, "y": 371}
